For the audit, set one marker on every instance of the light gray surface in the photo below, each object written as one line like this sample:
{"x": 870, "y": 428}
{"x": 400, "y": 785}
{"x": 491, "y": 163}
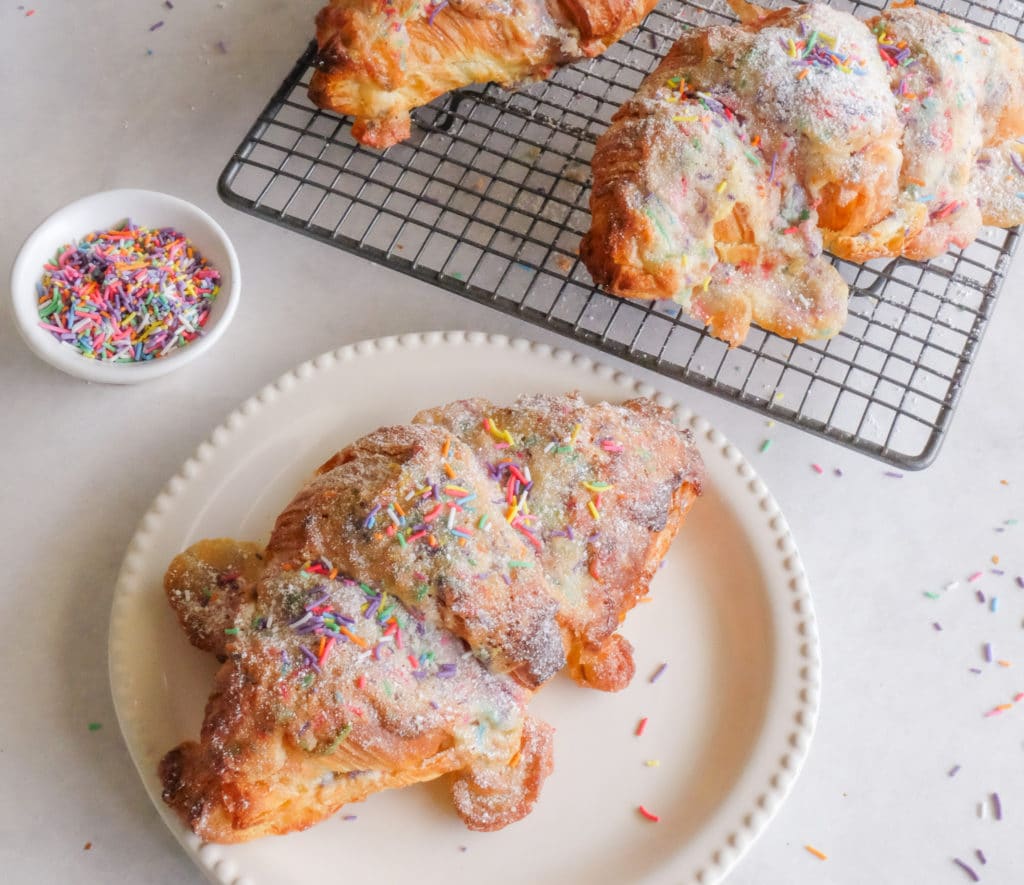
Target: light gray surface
{"x": 88, "y": 109}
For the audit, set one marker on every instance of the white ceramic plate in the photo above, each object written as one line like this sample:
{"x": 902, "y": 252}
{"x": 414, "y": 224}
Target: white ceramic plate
{"x": 729, "y": 720}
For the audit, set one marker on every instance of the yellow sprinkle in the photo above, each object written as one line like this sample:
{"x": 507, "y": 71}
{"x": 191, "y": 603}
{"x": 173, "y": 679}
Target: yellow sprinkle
{"x": 815, "y": 852}
{"x": 598, "y": 487}
{"x": 707, "y": 283}
{"x": 684, "y": 261}
{"x": 652, "y": 763}
{"x": 575, "y": 433}
{"x": 722, "y": 186}
{"x": 513, "y": 511}
{"x": 593, "y": 510}
{"x": 792, "y": 48}
{"x": 683, "y": 118}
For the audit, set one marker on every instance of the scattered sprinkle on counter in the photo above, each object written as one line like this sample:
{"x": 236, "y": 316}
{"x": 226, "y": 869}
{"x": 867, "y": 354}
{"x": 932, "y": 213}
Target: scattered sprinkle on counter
{"x": 656, "y": 675}
{"x": 87, "y": 846}
{"x": 818, "y": 854}
{"x": 997, "y": 807}
{"x": 95, "y": 726}
{"x": 648, "y": 815}
{"x": 952, "y": 772}
{"x": 128, "y": 294}
{"x": 967, "y": 869}
{"x": 640, "y": 726}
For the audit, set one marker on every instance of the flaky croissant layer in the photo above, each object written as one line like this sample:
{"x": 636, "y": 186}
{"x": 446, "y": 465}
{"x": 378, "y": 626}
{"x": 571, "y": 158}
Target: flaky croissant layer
{"x": 380, "y": 59}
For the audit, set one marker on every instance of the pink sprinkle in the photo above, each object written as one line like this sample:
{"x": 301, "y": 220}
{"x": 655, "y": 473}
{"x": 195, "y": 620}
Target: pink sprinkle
{"x": 817, "y": 468}
{"x": 975, "y": 576}
{"x": 641, "y": 725}
{"x": 1018, "y": 697}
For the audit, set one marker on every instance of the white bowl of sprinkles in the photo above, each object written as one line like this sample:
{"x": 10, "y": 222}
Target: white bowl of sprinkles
{"x": 125, "y": 285}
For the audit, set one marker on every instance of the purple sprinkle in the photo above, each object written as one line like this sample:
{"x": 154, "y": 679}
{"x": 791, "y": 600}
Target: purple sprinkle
{"x": 156, "y": 26}
{"x": 350, "y": 817}
{"x": 657, "y": 673}
{"x": 435, "y": 10}
{"x": 988, "y": 652}
{"x": 345, "y": 619}
{"x": 1020, "y": 580}
{"x": 937, "y": 625}
{"x": 304, "y": 728}
{"x": 419, "y": 675}
{"x": 168, "y": 4}
{"x": 974, "y": 669}
{"x": 952, "y": 772}
{"x": 1016, "y": 162}
{"x": 571, "y": 537}
{"x": 966, "y": 869}
{"x": 894, "y": 474}
{"x": 319, "y": 602}
{"x": 370, "y": 518}
{"x": 771, "y": 178}
{"x": 463, "y": 849}
{"x": 997, "y": 806}
{"x": 222, "y": 47}
{"x": 372, "y": 608}
{"x": 980, "y": 855}
{"x": 980, "y": 595}
{"x": 997, "y": 571}
{"x": 446, "y": 671}
{"x": 310, "y": 657}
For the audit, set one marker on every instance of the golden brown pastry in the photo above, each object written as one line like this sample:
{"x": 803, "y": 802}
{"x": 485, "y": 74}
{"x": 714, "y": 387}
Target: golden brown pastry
{"x": 751, "y": 148}
{"x": 598, "y": 492}
{"x": 380, "y": 59}
{"x": 411, "y": 597}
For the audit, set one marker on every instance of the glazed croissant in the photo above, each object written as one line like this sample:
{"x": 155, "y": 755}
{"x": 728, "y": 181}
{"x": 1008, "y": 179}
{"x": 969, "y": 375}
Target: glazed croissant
{"x": 411, "y": 598}
{"x": 753, "y": 148}
{"x": 380, "y": 59}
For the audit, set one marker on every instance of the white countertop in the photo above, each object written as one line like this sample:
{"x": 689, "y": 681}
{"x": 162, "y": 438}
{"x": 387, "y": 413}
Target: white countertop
{"x": 88, "y": 110}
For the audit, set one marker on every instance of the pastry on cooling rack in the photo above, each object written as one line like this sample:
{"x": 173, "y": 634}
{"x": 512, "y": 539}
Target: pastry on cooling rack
{"x": 379, "y": 59}
{"x": 752, "y": 148}
{"x": 410, "y": 599}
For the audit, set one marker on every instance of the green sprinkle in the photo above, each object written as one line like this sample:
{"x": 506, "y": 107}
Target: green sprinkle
{"x": 421, "y": 591}
{"x": 561, "y": 450}
{"x": 931, "y": 595}
{"x": 483, "y": 521}
{"x": 95, "y": 726}
{"x": 307, "y": 680}
{"x": 767, "y": 444}
{"x": 518, "y": 563}
{"x": 333, "y": 745}
{"x": 367, "y": 590}
{"x": 231, "y": 631}
{"x": 401, "y": 540}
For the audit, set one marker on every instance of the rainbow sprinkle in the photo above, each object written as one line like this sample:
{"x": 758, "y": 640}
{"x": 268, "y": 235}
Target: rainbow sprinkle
{"x": 128, "y": 294}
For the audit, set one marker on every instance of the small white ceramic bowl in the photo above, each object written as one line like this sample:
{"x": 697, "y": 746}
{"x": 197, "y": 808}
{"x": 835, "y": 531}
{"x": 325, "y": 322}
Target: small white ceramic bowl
{"x": 100, "y": 212}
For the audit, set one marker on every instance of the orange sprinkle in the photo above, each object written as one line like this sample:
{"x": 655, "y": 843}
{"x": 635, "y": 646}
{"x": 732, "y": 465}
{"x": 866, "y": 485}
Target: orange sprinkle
{"x": 815, "y": 852}
{"x": 995, "y": 560}
{"x": 432, "y": 541}
{"x": 1004, "y": 663}
{"x": 448, "y": 470}
{"x": 755, "y": 141}
{"x": 803, "y": 73}
{"x": 514, "y": 761}
{"x": 287, "y": 566}
{"x": 447, "y": 445}
{"x": 358, "y": 640}
{"x": 398, "y": 509}
{"x": 333, "y": 574}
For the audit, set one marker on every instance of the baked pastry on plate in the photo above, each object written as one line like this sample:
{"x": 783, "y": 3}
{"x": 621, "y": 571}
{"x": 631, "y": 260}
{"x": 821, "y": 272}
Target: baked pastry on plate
{"x": 411, "y": 598}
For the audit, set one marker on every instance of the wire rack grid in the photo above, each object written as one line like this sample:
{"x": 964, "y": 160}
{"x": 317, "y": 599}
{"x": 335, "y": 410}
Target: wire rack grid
{"x": 489, "y": 198}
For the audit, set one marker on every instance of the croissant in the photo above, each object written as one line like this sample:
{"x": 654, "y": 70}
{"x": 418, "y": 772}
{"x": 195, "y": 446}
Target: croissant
{"x": 411, "y": 598}
{"x": 753, "y": 148}
{"x": 379, "y": 59}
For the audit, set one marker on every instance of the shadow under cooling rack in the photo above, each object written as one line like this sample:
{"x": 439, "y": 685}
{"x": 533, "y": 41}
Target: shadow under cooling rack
{"x": 489, "y": 197}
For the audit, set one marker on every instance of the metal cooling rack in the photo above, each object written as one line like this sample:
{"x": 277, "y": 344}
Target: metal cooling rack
{"x": 489, "y": 198}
